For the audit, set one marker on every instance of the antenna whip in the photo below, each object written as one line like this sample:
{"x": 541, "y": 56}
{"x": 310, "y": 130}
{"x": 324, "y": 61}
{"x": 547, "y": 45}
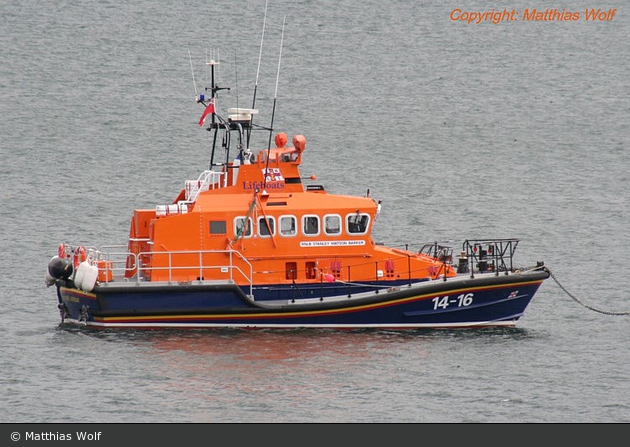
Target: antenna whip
{"x": 193, "y": 74}
{"x": 275, "y": 97}
{"x": 262, "y": 38}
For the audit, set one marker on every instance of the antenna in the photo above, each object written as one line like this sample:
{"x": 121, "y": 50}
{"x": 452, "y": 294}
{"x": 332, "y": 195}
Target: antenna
{"x": 275, "y": 97}
{"x": 219, "y": 67}
{"x": 262, "y": 38}
{"x": 207, "y": 66}
{"x": 193, "y": 74}
{"x": 214, "y": 56}
{"x": 236, "y": 76}
{"x": 280, "y": 56}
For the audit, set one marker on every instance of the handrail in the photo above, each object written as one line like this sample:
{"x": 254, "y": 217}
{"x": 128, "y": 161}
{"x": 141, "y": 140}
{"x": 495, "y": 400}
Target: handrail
{"x": 118, "y": 264}
{"x": 206, "y": 180}
{"x": 490, "y": 255}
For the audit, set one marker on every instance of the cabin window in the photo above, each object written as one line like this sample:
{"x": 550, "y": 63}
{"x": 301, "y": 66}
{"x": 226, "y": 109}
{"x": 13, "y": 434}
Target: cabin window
{"x": 266, "y": 227}
{"x": 310, "y": 225}
{"x": 332, "y": 224}
{"x": 311, "y": 270}
{"x": 218, "y": 227}
{"x": 242, "y": 227}
{"x": 357, "y": 223}
{"x": 288, "y": 226}
{"x": 291, "y": 270}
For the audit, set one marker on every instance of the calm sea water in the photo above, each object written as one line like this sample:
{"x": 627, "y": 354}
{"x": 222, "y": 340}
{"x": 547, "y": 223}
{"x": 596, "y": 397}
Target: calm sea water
{"x": 518, "y": 129}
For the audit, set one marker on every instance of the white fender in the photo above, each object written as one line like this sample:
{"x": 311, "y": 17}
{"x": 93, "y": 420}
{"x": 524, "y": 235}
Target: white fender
{"x": 80, "y": 274}
{"x": 89, "y": 279}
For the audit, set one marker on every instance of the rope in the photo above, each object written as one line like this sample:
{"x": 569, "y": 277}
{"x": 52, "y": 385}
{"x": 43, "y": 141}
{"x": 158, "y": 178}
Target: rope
{"x": 582, "y": 304}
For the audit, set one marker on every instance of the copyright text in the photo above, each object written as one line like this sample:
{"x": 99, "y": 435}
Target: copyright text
{"x": 56, "y": 436}
{"x": 532, "y": 15}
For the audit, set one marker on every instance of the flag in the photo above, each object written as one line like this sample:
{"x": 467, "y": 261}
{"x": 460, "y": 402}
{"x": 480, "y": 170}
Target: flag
{"x": 209, "y": 110}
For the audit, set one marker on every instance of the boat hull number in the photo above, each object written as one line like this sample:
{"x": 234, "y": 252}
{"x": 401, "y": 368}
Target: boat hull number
{"x": 444, "y": 302}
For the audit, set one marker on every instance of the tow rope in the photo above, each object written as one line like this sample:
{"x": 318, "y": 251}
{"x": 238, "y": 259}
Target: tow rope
{"x": 581, "y": 303}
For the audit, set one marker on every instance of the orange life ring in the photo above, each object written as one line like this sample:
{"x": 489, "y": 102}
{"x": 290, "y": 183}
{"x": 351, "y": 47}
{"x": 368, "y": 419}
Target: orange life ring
{"x": 79, "y": 256}
{"x": 61, "y": 251}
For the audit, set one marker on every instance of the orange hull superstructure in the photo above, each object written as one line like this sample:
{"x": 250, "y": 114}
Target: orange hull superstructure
{"x": 287, "y": 232}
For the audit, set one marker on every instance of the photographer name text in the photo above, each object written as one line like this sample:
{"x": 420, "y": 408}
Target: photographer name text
{"x": 532, "y": 15}
{"x": 56, "y": 436}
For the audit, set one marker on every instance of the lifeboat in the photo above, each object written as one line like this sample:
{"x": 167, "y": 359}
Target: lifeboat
{"x": 247, "y": 244}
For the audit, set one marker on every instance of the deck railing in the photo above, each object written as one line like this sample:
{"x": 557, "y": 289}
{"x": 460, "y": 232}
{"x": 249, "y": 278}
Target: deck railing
{"x": 489, "y": 255}
{"x": 116, "y": 265}
{"x": 207, "y": 180}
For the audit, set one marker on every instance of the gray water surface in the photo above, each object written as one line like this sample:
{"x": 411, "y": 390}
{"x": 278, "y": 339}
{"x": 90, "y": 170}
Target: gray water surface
{"x": 518, "y": 129}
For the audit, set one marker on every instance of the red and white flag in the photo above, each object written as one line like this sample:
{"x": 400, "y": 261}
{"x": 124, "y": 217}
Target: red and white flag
{"x": 208, "y": 111}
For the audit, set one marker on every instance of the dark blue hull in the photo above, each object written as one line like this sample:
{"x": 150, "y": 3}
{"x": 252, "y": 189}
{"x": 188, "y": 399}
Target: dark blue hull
{"x": 486, "y": 300}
